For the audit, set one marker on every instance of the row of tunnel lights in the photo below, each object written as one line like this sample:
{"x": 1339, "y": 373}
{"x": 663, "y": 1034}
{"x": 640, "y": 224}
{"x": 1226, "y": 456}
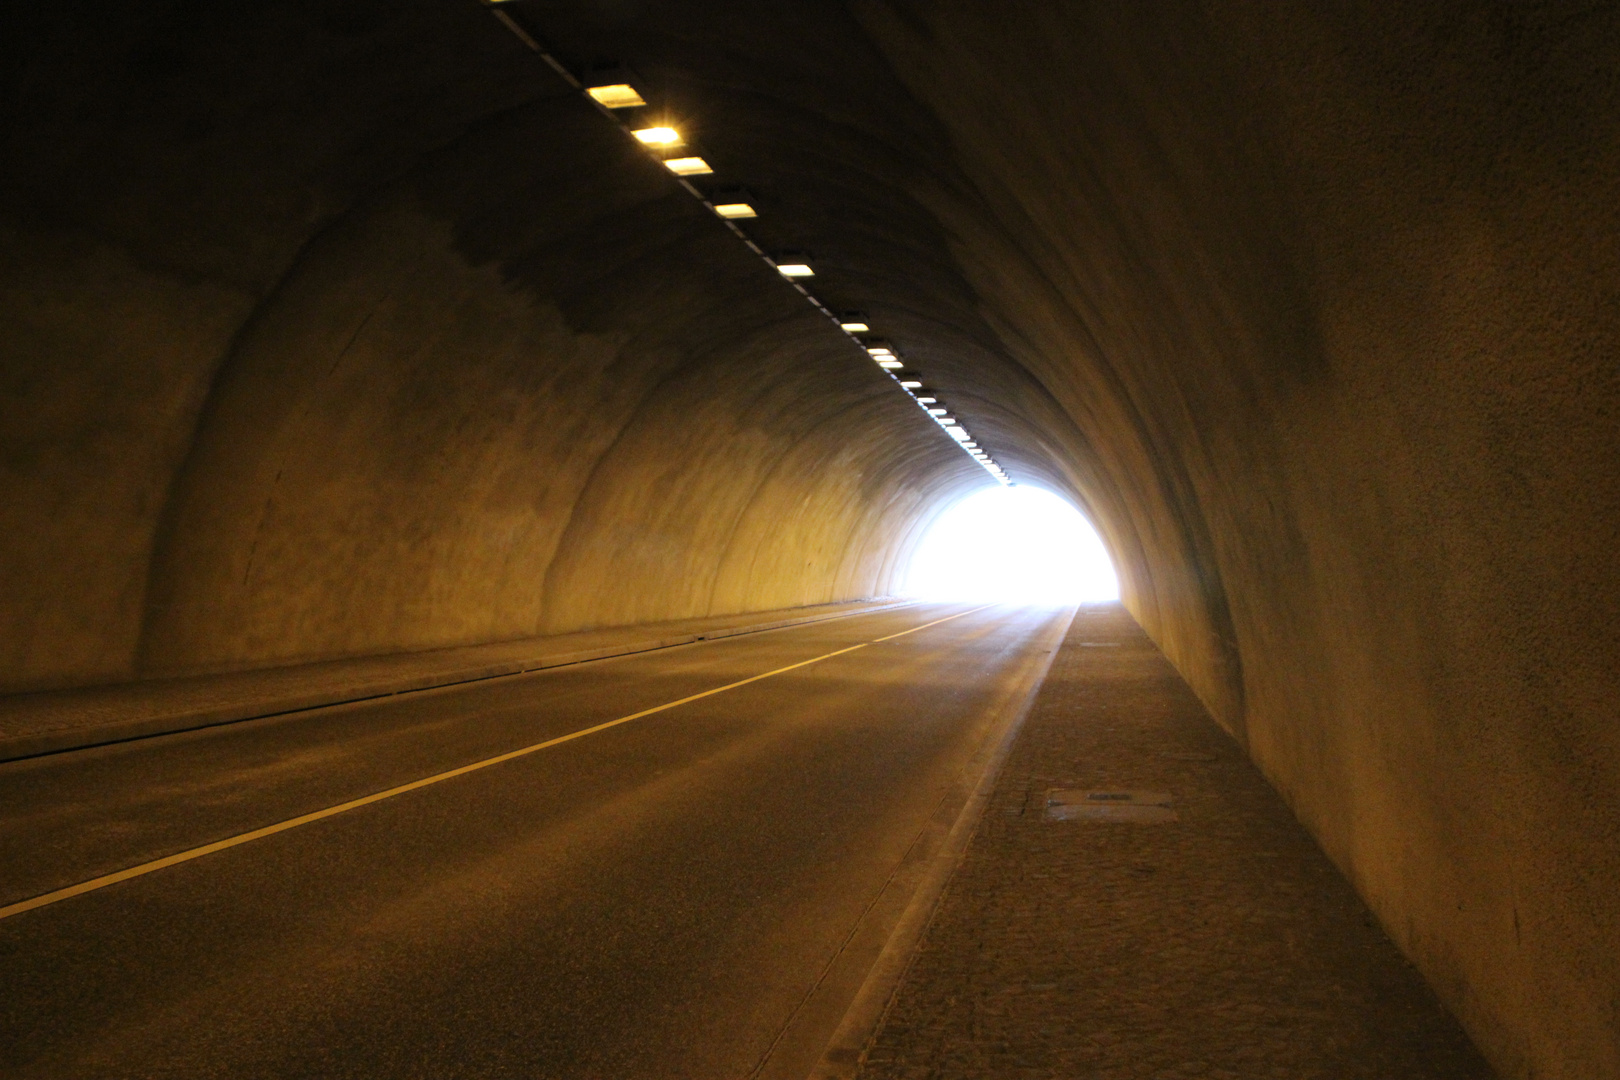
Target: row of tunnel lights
{"x": 610, "y": 88}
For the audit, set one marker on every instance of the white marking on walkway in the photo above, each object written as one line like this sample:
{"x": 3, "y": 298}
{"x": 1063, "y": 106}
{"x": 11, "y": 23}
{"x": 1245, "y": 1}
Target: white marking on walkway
{"x": 437, "y": 778}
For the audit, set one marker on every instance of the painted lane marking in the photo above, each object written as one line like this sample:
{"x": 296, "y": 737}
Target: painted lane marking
{"x": 926, "y": 625}
{"x": 179, "y": 857}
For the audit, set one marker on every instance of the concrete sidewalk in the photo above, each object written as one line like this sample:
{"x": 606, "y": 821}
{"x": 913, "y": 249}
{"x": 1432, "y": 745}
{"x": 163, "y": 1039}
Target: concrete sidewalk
{"x": 56, "y": 720}
{"x": 1091, "y": 937}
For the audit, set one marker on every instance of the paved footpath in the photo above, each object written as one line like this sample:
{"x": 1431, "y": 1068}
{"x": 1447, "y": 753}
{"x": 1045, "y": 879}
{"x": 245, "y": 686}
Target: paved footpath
{"x": 1222, "y": 944}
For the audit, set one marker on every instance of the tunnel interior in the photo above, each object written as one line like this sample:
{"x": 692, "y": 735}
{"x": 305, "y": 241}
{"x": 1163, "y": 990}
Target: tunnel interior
{"x": 340, "y": 330}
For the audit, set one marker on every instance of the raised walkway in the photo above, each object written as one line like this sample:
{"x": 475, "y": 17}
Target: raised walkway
{"x": 55, "y": 720}
{"x": 1096, "y": 938}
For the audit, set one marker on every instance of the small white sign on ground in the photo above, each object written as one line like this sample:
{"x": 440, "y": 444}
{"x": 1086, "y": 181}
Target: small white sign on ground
{"x": 1136, "y": 807}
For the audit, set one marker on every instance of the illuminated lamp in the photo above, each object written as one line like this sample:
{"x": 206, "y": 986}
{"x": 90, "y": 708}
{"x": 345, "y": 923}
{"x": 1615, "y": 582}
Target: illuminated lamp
{"x": 793, "y": 264}
{"x": 612, "y": 87}
{"x": 733, "y": 203}
{"x": 687, "y": 166}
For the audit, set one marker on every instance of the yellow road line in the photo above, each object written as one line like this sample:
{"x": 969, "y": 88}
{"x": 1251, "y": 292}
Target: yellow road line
{"x": 936, "y": 622}
{"x": 331, "y": 811}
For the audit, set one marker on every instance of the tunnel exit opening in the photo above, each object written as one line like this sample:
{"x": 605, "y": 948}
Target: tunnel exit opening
{"x": 1019, "y": 545}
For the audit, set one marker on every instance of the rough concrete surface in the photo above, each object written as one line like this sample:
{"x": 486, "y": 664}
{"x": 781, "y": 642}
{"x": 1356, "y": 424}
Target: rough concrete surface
{"x": 55, "y": 720}
{"x": 691, "y": 894}
{"x": 1223, "y": 944}
{"x": 343, "y": 329}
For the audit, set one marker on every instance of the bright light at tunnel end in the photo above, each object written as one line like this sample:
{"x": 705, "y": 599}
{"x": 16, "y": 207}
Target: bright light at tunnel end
{"x": 1014, "y": 545}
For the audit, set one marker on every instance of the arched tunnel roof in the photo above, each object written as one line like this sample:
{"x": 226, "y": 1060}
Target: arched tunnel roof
{"x": 337, "y": 329}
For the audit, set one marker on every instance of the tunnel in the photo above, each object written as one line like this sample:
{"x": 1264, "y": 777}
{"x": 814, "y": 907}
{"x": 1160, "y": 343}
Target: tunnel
{"x": 357, "y": 329}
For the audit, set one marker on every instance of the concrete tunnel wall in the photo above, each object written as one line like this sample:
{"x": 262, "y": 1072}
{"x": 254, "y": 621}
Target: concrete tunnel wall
{"x": 440, "y": 370}
{"x": 337, "y": 329}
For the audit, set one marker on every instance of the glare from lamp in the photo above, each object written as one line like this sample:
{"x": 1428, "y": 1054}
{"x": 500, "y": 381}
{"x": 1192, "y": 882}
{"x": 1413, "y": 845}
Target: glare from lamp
{"x": 658, "y": 136}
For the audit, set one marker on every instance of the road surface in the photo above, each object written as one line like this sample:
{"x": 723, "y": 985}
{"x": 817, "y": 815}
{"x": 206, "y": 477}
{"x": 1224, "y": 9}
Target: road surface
{"x": 686, "y": 870}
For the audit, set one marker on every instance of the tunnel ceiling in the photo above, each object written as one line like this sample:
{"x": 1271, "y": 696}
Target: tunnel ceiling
{"x": 806, "y": 115}
{"x": 346, "y": 328}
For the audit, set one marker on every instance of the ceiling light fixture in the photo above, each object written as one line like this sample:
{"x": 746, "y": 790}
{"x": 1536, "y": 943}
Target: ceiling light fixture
{"x": 688, "y": 166}
{"x": 733, "y": 203}
{"x": 657, "y": 136}
{"x": 612, "y": 86}
{"x": 793, "y": 264}
{"x": 617, "y": 96}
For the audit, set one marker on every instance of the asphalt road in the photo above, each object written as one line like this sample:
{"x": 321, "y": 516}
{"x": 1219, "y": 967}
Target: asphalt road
{"x": 697, "y": 892}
